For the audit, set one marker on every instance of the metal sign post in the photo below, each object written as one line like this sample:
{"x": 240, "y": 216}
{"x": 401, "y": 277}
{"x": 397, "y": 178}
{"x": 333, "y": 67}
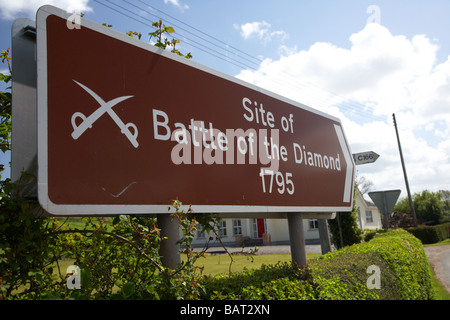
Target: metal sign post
{"x": 170, "y": 233}
{"x": 297, "y": 239}
{"x": 325, "y": 243}
{"x": 24, "y": 124}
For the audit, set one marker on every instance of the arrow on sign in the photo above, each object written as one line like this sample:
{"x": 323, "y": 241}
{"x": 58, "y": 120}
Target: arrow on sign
{"x": 365, "y": 157}
{"x": 348, "y": 159}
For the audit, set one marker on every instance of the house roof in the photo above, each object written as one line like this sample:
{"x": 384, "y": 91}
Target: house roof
{"x": 368, "y": 203}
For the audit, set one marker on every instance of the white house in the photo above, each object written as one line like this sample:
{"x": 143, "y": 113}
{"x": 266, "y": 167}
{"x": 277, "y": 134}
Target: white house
{"x": 275, "y": 231}
{"x": 369, "y": 216}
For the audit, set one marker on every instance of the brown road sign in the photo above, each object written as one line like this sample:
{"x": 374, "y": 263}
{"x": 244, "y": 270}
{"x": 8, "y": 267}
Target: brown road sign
{"x": 124, "y": 127}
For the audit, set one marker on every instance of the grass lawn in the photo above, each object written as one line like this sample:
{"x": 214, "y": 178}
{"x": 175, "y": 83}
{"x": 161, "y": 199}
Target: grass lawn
{"x": 439, "y": 291}
{"x": 442, "y": 243}
{"x": 77, "y": 223}
{"x": 215, "y": 264}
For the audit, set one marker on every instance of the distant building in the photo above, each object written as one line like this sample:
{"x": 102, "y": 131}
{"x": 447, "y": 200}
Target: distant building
{"x": 234, "y": 232}
{"x": 369, "y": 216}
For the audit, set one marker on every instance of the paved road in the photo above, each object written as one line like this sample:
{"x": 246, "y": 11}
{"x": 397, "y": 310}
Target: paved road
{"x": 439, "y": 257}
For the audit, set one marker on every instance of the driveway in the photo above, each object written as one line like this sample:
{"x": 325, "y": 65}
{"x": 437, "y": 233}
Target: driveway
{"x": 439, "y": 257}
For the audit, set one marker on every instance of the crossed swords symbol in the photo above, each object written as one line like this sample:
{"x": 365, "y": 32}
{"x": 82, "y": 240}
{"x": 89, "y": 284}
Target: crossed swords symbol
{"x": 105, "y": 107}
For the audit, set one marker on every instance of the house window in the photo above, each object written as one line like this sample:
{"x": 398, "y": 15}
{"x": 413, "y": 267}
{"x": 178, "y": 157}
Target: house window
{"x": 237, "y": 227}
{"x": 369, "y": 217}
{"x": 223, "y": 228}
{"x": 255, "y": 229}
{"x": 313, "y": 224}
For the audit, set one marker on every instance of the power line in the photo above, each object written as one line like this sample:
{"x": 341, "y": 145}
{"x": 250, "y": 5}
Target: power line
{"x": 186, "y": 40}
{"x": 189, "y": 41}
{"x": 355, "y": 104}
{"x": 285, "y": 79}
{"x": 210, "y": 36}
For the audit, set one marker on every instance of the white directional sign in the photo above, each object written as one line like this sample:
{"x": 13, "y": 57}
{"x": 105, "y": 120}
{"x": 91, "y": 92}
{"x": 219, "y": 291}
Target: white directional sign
{"x": 365, "y": 157}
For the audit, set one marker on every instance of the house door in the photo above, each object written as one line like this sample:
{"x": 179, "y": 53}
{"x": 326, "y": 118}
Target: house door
{"x": 261, "y": 225}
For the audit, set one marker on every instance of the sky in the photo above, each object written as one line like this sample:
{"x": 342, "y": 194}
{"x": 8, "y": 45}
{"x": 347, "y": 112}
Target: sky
{"x": 361, "y": 61}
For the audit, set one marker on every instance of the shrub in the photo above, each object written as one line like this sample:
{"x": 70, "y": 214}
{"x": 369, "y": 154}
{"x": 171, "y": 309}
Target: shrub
{"x": 369, "y": 234}
{"x": 266, "y": 283}
{"x": 118, "y": 259}
{"x": 344, "y": 228}
{"x": 403, "y": 268}
{"x": 431, "y": 234}
{"x": 350, "y": 269}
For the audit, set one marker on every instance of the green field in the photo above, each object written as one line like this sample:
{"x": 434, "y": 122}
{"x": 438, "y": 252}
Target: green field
{"x": 215, "y": 264}
{"x": 439, "y": 291}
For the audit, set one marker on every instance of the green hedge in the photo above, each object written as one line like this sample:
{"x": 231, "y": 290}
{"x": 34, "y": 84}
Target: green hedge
{"x": 431, "y": 234}
{"x": 426, "y": 234}
{"x": 404, "y": 267}
{"x": 404, "y": 274}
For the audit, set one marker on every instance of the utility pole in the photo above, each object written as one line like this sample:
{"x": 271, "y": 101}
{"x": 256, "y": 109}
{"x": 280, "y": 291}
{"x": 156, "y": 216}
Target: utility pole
{"x": 411, "y": 205}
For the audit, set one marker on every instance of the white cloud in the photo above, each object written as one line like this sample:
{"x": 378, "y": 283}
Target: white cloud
{"x": 10, "y": 10}
{"x": 378, "y": 75}
{"x": 260, "y": 30}
{"x": 177, "y": 3}
{"x": 286, "y": 51}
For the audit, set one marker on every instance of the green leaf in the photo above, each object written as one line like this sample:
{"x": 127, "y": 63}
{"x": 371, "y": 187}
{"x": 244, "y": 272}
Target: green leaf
{"x": 85, "y": 275}
{"x": 160, "y": 45}
{"x": 169, "y": 29}
{"x": 128, "y": 289}
{"x": 115, "y": 221}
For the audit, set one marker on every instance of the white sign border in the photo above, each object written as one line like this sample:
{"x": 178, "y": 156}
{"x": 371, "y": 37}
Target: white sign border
{"x": 94, "y": 210}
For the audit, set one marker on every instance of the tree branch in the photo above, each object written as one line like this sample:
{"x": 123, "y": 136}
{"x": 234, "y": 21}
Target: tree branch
{"x": 156, "y": 264}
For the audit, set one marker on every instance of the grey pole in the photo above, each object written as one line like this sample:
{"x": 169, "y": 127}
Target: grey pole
{"x": 385, "y": 209}
{"x": 169, "y": 249}
{"x": 297, "y": 239}
{"x": 411, "y": 205}
{"x": 324, "y": 235}
{"x": 338, "y": 219}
